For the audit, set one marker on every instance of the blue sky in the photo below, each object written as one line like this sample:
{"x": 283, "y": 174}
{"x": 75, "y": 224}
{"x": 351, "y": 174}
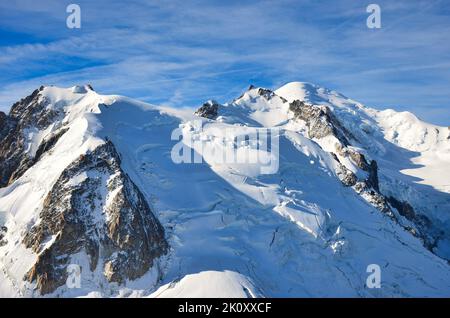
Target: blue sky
{"x": 182, "y": 53}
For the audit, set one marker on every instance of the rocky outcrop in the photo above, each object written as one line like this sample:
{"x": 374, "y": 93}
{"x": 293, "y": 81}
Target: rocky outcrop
{"x": 30, "y": 113}
{"x": 368, "y": 188}
{"x": 263, "y": 92}
{"x": 403, "y": 208}
{"x": 347, "y": 177}
{"x": 4, "y": 125}
{"x": 3, "y": 230}
{"x": 319, "y": 120}
{"x": 420, "y": 225}
{"x": 208, "y": 110}
{"x": 359, "y": 159}
{"x": 94, "y": 208}
{"x": 269, "y": 94}
{"x": 2, "y": 119}
{"x": 11, "y": 151}
{"x": 28, "y": 161}
{"x": 372, "y": 180}
{"x": 361, "y": 162}
{"x": 321, "y": 123}
{"x": 373, "y": 197}
{"x": 48, "y": 143}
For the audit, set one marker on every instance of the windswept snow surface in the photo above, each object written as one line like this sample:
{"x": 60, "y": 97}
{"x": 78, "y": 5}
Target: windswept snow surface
{"x": 235, "y": 232}
{"x": 220, "y": 284}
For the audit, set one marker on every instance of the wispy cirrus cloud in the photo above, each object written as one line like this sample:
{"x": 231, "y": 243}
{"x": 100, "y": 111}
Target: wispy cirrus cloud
{"x": 181, "y": 53}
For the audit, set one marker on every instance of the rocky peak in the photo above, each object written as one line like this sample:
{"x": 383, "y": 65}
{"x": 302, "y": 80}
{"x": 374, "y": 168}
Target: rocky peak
{"x": 27, "y": 114}
{"x": 319, "y": 120}
{"x": 95, "y": 208}
{"x": 264, "y": 92}
{"x": 253, "y": 92}
{"x": 31, "y": 110}
{"x": 209, "y": 110}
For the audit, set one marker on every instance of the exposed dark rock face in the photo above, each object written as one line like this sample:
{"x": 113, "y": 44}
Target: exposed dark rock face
{"x": 32, "y": 111}
{"x": 48, "y": 143}
{"x": 347, "y": 177}
{"x": 3, "y": 230}
{"x": 321, "y": 123}
{"x": 5, "y": 125}
{"x": 403, "y": 208}
{"x": 374, "y": 197}
{"x": 29, "y": 113}
{"x": 422, "y": 226}
{"x": 208, "y": 110}
{"x": 2, "y": 119}
{"x": 269, "y": 94}
{"x": 11, "y": 149}
{"x": 319, "y": 120}
{"x": 316, "y": 118}
{"x": 263, "y": 92}
{"x": 359, "y": 160}
{"x": 369, "y": 188}
{"x": 372, "y": 180}
{"x": 28, "y": 162}
{"x": 94, "y": 207}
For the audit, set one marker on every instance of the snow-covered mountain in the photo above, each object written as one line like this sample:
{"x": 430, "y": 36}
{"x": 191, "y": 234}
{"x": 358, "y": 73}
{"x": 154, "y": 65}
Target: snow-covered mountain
{"x": 90, "y": 180}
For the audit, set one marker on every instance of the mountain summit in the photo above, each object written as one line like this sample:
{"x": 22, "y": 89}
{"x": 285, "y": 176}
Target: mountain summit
{"x": 89, "y": 187}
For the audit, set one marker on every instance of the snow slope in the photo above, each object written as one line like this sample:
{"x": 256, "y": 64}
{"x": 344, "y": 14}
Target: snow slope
{"x": 413, "y": 156}
{"x": 235, "y": 231}
{"x": 429, "y": 144}
{"x": 222, "y": 285}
